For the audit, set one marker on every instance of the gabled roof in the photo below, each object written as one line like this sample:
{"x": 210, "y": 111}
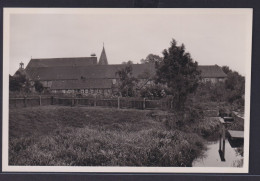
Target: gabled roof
{"x": 82, "y": 84}
{"x": 87, "y": 72}
{"x": 103, "y": 58}
{"x": 77, "y": 68}
{"x": 62, "y": 62}
{"x": 211, "y": 71}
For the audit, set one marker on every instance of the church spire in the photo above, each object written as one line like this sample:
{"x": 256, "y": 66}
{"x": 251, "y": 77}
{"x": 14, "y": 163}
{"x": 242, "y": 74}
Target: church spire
{"x": 103, "y": 57}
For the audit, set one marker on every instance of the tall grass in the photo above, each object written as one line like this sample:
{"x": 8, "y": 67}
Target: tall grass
{"x": 62, "y": 136}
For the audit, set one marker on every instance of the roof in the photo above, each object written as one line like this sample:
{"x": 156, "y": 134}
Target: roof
{"x": 82, "y": 84}
{"x": 103, "y": 58}
{"x": 211, "y": 71}
{"x": 62, "y": 62}
{"x": 87, "y": 72}
{"x": 77, "y": 68}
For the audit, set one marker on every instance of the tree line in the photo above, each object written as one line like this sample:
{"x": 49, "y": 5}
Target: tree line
{"x": 177, "y": 76}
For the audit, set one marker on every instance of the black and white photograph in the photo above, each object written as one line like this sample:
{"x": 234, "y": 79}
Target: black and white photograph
{"x": 126, "y": 90}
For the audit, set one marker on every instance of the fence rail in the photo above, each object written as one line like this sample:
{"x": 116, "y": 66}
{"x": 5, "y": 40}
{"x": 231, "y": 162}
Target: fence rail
{"x": 120, "y": 102}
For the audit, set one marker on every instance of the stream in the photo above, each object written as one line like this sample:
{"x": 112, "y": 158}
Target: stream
{"x": 211, "y": 157}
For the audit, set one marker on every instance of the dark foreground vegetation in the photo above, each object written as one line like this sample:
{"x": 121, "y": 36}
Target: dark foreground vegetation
{"x": 51, "y": 135}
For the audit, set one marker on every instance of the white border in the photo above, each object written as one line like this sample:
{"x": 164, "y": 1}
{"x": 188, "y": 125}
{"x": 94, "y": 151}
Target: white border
{"x": 6, "y": 45}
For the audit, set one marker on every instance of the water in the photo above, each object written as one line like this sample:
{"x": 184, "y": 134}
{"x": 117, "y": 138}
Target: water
{"x": 211, "y": 157}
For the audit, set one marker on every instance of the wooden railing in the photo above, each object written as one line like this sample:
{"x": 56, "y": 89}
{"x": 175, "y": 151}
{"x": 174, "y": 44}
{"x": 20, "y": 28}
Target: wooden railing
{"x": 120, "y": 102}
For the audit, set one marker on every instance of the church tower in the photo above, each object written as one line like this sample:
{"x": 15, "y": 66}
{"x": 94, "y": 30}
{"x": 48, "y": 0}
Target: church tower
{"x": 103, "y": 57}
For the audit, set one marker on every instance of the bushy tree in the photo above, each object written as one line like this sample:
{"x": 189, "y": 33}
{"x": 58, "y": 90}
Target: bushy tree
{"x": 231, "y": 91}
{"x": 127, "y": 83}
{"x": 128, "y": 62}
{"x": 235, "y": 86}
{"x": 38, "y": 86}
{"x": 19, "y": 83}
{"x": 179, "y": 72}
{"x": 151, "y": 58}
{"x": 154, "y": 91}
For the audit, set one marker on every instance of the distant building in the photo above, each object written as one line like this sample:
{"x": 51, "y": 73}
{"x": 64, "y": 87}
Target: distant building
{"x": 212, "y": 73}
{"x": 86, "y": 76}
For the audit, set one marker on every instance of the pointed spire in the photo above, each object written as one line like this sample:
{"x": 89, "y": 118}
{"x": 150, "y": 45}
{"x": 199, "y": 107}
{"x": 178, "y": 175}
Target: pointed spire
{"x": 103, "y": 57}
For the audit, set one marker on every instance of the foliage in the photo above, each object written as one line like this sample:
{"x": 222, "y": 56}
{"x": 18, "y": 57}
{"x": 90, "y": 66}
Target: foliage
{"x": 231, "y": 91}
{"x": 235, "y": 86}
{"x": 128, "y": 62}
{"x": 127, "y": 82}
{"x": 179, "y": 72}
{"x": 154, "y": 91}
{"x": 38, "y": 86}
{"x": 60, "y": 136}
{"x": 19, "y": 83}
{"x": 151, "y": 58}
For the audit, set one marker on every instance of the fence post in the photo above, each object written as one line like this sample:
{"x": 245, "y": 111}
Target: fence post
{"x": 118, "y": 102}
{"x": 171, "y": 104}
{"x": 76, "y": 101}
{"x": 224, "y": 140}
{"x": 220, "y": 142}
{"x": 24, "y": 101}
{"x": 40, "y": 100}
{"x": 72, "y": 101}
{"x": 144, "y": 104}
{"x": 52, "y": 100}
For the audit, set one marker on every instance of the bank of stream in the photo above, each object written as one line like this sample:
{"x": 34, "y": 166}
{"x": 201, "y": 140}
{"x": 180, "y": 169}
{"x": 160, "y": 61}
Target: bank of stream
{"x": 233, "y": 147}
{"x": 211, "y": 157}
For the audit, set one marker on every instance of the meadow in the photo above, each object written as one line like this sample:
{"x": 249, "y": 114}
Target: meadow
{"x": 92, "y": 136}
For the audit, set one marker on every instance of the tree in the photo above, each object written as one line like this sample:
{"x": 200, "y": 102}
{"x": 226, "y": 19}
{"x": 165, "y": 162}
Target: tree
{"x": 38, "y": 86}
{"x": 17, "y": 82}
{"x": 226, "y": 69}
{"x": 128, "y": 62}
{"x": 179, "y": 72}
{"x": 151, "y": 58}
{"x": 235, "y": 85}
{"x": 127, "y": 81}
{"x": 154, "y": 91}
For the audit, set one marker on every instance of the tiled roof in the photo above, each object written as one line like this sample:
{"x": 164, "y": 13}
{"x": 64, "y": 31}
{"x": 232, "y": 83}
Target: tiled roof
{"x": 82, "y": 84}
{"x": 87, "y": 72}
{"x": 39, "y": 69}
{"x": 62, "y": 62}
{"x": 211, "y": 71}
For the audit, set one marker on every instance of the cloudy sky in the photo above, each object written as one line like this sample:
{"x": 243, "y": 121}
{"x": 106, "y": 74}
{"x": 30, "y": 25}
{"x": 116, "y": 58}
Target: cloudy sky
{"x": 211, "y": 36}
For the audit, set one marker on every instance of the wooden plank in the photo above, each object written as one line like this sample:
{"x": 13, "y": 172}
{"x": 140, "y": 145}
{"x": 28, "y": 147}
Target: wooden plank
{"x": 221, "y": 120}
{"x": 236, "y": 134}
{"x": 228, "y": 119}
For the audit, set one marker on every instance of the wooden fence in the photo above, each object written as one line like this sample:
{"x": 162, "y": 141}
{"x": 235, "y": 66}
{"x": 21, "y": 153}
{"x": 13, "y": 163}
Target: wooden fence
{"x": 29, "y": 102}
{"x": 130, "y": 103}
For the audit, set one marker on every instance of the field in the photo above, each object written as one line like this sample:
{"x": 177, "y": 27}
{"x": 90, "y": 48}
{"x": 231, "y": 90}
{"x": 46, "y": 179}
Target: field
{"x": 84, "y": 136}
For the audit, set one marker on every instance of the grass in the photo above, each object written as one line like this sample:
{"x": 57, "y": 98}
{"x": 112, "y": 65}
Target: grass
{"x": 81, "y": 136}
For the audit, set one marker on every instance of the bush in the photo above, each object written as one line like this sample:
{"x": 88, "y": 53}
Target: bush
{"x": 154, "y": 91}
{"x": 63, "y": 136}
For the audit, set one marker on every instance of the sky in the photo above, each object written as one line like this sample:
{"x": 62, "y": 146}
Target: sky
{"x": 211, "y": 37}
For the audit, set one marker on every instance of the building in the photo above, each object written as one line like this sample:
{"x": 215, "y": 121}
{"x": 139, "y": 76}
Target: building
{"x": 212, "y": 73}
{"x": 86, "y": 75}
